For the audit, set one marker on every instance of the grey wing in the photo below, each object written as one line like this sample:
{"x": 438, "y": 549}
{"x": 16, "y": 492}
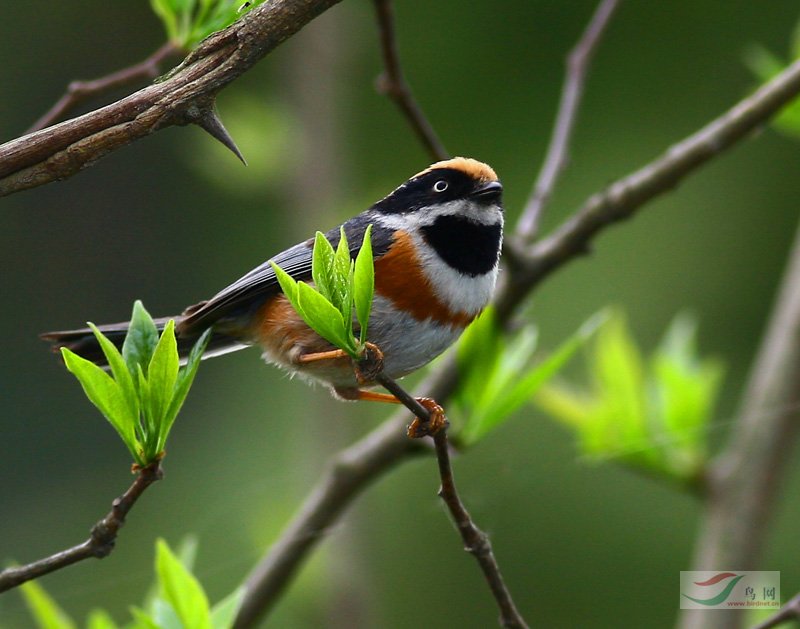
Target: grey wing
{"x": 250, "y": 291}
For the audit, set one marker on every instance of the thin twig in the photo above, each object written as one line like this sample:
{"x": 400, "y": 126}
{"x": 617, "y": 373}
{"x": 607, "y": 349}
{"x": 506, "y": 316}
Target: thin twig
{"x": 790, "y": 611}
{"x": 101, "y": 540}
{"x": 475, "y": 541}
{"x": 406, "y": 399}
{"x": 355, "y": 468}
{"x": 81, "y": 91}
{"x": 393, "y": 84}
{"x": 578, "y": 62}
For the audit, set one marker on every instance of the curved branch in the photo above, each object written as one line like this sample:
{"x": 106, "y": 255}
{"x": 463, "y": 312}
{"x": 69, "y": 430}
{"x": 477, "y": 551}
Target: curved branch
{"x": 393, "y": 84}
{"x": 182, "y": 97}
{"x": 100, "y": 542}
{"x": 355, "y": 468}
{"x": 624, "y": 197}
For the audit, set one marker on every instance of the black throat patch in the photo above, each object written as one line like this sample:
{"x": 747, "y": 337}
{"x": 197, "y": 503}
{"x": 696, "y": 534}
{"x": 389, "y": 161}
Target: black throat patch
{"x": 468, "y": 247}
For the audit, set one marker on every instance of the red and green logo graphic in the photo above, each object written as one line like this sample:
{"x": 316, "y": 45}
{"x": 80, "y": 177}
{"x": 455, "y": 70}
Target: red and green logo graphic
{"x": 726, "y": 590}
{"x": 730, "y": 579}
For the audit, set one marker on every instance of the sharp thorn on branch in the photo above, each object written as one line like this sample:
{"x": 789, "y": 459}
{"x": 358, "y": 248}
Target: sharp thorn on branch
{"x": 209, "y": 120}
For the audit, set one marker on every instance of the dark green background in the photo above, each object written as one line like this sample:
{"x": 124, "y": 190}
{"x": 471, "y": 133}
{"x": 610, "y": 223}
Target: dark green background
{"x": 172, "y": 218}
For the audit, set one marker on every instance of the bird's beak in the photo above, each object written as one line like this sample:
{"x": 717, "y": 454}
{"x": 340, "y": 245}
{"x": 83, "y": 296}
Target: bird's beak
{"x": 490, "y": 191}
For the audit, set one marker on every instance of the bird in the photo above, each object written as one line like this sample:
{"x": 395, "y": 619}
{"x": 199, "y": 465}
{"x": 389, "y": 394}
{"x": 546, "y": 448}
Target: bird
{"x": 436, "y": 242}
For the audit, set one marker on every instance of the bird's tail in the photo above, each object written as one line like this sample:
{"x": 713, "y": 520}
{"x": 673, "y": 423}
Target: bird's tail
{"x": 84, "y": 343}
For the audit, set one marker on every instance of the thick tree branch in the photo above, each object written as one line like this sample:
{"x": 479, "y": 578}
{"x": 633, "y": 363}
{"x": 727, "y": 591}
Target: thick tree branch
{"x": 393, "y": 84}
{"x": 746, "y": 477}
{"x": 81, "y": 91}
{"x": 183, "y": 97}
{"x": 578, "y": 62}
{"x": 355, "y": 468}
{"x": 100, "y": 542}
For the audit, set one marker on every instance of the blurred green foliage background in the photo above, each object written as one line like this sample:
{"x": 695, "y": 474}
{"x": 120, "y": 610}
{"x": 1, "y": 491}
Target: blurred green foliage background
{"x": 173, "y": 218}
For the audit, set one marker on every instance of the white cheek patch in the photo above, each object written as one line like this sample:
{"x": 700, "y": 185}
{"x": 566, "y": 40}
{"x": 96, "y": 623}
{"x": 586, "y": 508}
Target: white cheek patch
{"x": 458, "y": 291}
{"x": 478, "y": 214}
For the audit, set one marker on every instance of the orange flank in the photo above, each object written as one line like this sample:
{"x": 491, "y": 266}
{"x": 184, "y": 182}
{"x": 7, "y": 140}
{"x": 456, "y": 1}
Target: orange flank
{"x": 399, "y": 278}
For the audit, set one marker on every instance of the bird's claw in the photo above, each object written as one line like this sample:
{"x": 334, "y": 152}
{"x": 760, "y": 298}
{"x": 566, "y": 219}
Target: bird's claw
{"x": 421, "y": 428}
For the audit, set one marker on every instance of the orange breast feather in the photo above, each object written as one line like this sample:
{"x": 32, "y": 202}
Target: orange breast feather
{"x": 399, "y": 278}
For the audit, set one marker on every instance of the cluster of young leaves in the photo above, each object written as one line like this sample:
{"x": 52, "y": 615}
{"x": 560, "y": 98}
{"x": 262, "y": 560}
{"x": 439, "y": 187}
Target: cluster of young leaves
{"x": 177, "y": 600}
{"x": 146, "y": 388}
{"x": 498, "y": 373}
{"x": 188, "y": 22}
{"x": 651, "y": 414}
{"x": 340, "y": 286}
{"x": 766, "y": 65}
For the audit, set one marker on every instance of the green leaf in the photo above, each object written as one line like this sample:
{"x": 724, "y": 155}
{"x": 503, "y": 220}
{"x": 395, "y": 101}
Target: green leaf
{"x": 224, "y": 613}
{"x": 45, "y": 611}
{"x": 564, "y": 403}
{"x": 684, "y": 392}
{"x": 182, "y": 386}
{"x": 323, "y": 318}
{"x": 100, "y": 619}
{"x": 162, "y": 375}
{"x": 496, "y": 374}
{"x": 223, "y": 13}
{"x": 342, "y": 289}
{"x": 331, "y": 318}
{"x": 181, "y": 589}
{"x": 765, "y": 65}
{"x": 142, "y": 620}
{"x": 147, "y": 424}
{"x": 163, "y": 9}
{"x": 652, "y": 415}
{"x": 141, "y": 340}
{"x": 617, "y": 371}
{"x": 120, "y": 371}
{"x": 364, "y": 283}
{"x": 476, "y": 356}
{"x": 520, "y": 389}
{"x": 486, "y": 400}
{"x": 106, "y": 395}
{"x": 187, "y": 551}
{"x": 287, "y": 283}
{"x": 322, "y": 266}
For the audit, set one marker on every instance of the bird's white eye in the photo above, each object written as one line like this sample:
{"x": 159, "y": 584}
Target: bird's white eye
{"x": 440, "y": 186}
